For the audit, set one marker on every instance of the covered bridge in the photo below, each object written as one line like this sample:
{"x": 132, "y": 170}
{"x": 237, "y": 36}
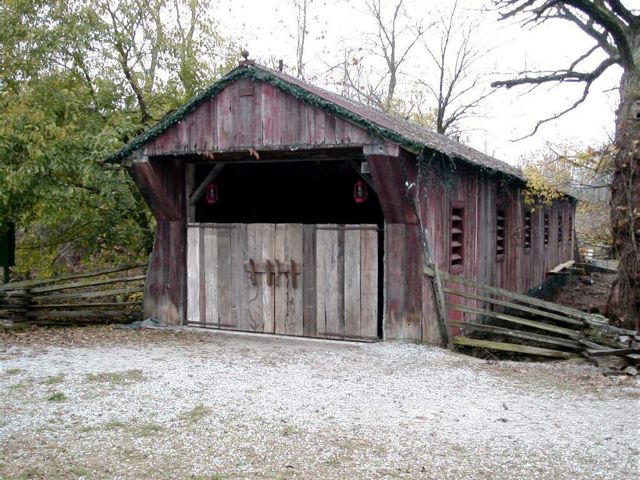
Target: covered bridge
{"x": 284, "y": 208}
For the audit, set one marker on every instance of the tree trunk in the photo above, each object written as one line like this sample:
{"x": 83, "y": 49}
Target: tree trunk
{"x": 624, "y": 301}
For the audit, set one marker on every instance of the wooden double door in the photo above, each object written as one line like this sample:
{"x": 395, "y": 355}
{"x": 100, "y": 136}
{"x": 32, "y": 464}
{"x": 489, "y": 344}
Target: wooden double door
{"x": 290, "y": 279}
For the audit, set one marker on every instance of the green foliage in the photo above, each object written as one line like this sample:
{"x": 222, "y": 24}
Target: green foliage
{"x": 77, "y": 80}
{"x": 57, "y": 397}
{"x": 582, "y": 173}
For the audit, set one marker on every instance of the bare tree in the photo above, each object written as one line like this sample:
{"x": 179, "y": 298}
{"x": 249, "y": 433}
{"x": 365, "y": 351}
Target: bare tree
{"x": 302, "y": 10}
{"x": 459, "y": 87}
{"x": 615, "y": 32}
{"x": 394, "y": 38}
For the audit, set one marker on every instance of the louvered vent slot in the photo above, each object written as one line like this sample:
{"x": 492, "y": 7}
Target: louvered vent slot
{"x": 546, "y": 229}
{"x": 457, "y": 237}
{"x": 560, "y": 228}
{"x": 500, "y": 233}
{"x": 527, "y": 229}
{"x": 570, "y": 233}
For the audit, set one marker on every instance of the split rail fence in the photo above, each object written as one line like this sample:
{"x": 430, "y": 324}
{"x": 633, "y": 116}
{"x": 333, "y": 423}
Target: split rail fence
{"x": 104, "y": 296}
{"x": 496, "y": 319}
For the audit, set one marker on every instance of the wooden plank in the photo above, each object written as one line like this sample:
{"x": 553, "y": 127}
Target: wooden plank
{"x": 69, "y": 286}
{"x": 165, "y": 286}
{"x": 512, "y": 347}
{"x": 536, "y": 302}
{"x": 394, "y": 280}
{"x": 288, "y": 300}
{"x": 514, "y": 306}
{"x": 520, "y": 321}
{"x": 106, "y": 314}
{"x": 309, "y": 281}
{"x": 85, "y": 305}
{"x": 369, "y": 283}
{"x": 413, "y": 264}
{"x": 329, "y": 289}
{"x": 352, "y": 283}
{"x": 561, "y": 267}
{"x": 209, "y": 267}
{"x": 46, "y": 281}
{"x": 193, "y": 275}
{"x": 223, "y": 290}
{"x": 203, "y": 278}
{"x": 103, "y": 293}
{"x": 535, "y": 337}
{"x": 613, "y": 351}
{"x": 239, "y": 316}
{"x": 260, "y": 243}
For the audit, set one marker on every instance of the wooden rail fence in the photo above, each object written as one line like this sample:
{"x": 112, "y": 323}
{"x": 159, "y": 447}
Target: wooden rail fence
{"x": 496, "y": 319}
{"x": 107, "y": 295}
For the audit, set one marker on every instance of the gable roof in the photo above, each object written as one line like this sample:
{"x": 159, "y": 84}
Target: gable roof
{"x": 408, "y": 135}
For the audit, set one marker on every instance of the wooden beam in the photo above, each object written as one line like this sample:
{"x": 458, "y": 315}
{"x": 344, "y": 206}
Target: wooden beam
{"x": 92, "y": 283}
{"x": 198, "y": 192}
{"x": 512, "y": 347}
{"x": 605, "y": 353}
{"x": 368, "y": 180}
{"x": 44, "y": 281}
{"x": 520, "y": 321}
{"x": 507, "y": 332}
{"x": 103, "y": 293}
{"x": 53, "y": 306}
{"x": 561, "y": 267}
{"x": 162, "y": 202}
{"x": 571, "y": 312}
{"x": 515, "y": 306}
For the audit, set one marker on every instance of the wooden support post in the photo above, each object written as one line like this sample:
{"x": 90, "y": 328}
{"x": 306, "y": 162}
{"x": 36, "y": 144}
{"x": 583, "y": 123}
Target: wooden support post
{"x": 150, "y": 182}
{"x": 390, "y": 175}
{"x": 367, "y": 179}
{"x": 198, "y": 192}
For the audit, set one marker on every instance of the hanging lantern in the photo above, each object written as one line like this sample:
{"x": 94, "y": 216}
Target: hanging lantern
{"x": 212, "y": 194}
{"x": 360, "y": 193}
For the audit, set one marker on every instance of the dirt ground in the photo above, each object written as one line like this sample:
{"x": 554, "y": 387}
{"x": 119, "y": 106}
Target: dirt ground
{"x": 100, "y": 403}
{"x": 586, "y": 292}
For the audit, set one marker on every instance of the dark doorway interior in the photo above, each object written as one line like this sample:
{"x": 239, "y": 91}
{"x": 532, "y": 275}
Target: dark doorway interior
{"x": 292, "y": 192}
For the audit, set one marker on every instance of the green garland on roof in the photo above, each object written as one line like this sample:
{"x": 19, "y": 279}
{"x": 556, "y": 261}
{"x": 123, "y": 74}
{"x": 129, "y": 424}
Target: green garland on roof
{"x": 298, "y": 92}
{"x": 256, "y": 74}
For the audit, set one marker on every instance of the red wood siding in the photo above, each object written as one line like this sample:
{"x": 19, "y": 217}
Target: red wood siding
{"x": 519, "y": 269}
{"x": 249, "y": 114}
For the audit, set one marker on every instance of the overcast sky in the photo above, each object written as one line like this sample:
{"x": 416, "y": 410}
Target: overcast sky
{"x": 267, "y": 29}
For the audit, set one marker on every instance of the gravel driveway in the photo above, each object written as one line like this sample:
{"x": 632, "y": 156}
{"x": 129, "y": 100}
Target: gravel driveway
{"x": 101, "y": 403}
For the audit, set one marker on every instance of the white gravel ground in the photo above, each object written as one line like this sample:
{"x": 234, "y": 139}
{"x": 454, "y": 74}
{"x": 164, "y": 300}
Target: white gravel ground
{"x": 213, "y": 406}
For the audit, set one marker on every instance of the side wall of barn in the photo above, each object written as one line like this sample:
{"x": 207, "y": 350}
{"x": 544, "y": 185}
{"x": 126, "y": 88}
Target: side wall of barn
{"x": 460, "y": 206}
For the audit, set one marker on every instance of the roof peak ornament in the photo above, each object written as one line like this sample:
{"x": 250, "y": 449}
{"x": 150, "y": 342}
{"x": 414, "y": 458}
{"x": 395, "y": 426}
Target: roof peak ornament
{"x": 246, "y": 61}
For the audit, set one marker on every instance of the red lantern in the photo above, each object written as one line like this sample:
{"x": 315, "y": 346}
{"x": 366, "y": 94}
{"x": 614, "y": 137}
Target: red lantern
{"x": 212, "y": 194}
{"x": 360, "y": 193}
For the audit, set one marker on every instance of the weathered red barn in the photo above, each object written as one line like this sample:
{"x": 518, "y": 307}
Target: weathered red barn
{"x": 283, "y": 208}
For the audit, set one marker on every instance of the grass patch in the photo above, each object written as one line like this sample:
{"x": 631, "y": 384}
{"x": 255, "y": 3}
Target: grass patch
{"x": 215, "y": 476}
{"x": 196, "y": 414}
{"x": 290, "y": 430}
{"x": 80, "y": 471}
{"x": 149, "y": 429}
{"x": 21, "y": 385}
{"x": 113, "y": 425}
{"x": 57, "y": 397}
{"x": 54, "y": 380}
{"x": 117, "y": 378}
{"x": 30, "y": 473}
{"x": 14, "y": 371}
